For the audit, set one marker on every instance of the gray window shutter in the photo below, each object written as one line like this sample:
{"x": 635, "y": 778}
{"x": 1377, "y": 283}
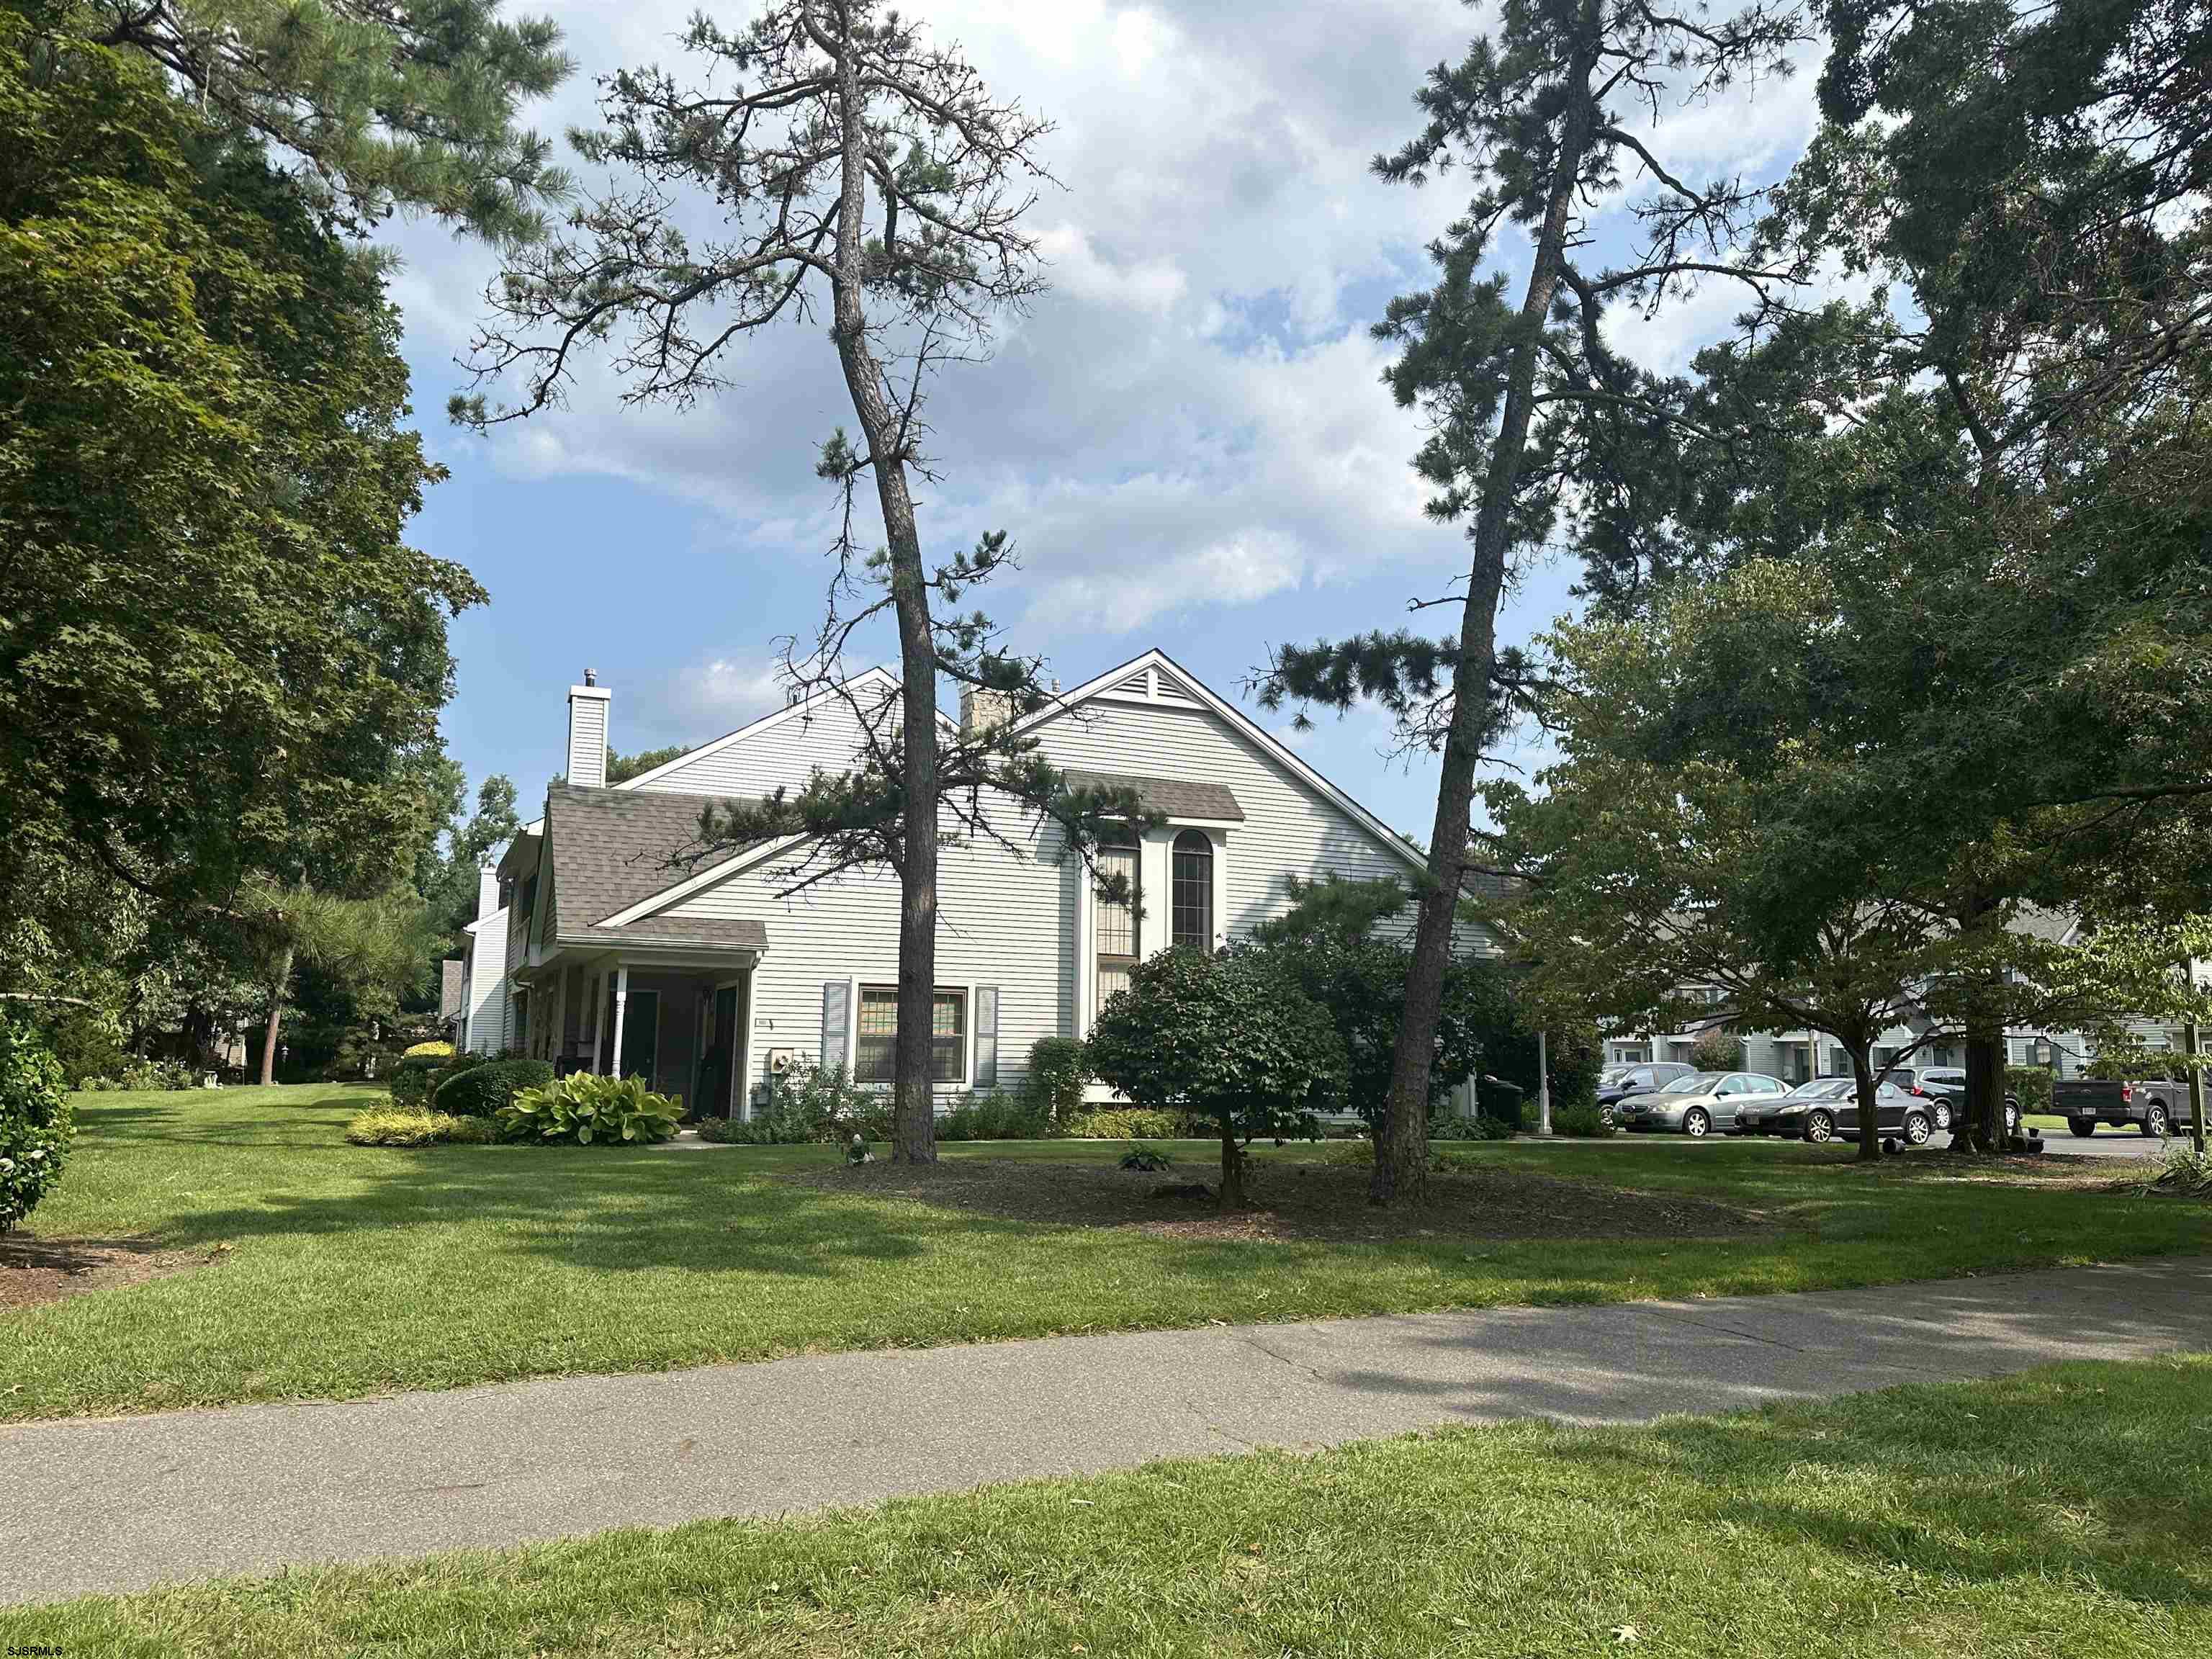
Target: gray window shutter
{"x": 836, "y": 995}
{"x": 986, "y": 1036}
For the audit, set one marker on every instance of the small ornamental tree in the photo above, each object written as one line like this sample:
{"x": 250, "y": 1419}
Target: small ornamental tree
{"x": 35, "y": 1124}
{"x": 1229, "y": 1036}
{"x": 1717, "y": 1051}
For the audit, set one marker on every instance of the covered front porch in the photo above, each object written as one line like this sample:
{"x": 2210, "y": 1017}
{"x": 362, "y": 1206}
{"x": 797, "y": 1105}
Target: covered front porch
{"x": 683, "y": 1024}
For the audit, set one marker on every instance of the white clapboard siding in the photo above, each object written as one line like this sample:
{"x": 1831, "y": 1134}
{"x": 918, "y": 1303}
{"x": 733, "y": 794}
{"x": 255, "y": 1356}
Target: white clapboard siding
{"x": 778, "y": 751}
{"x": 1288, "y": 827}
{"x": 1012, "y": 918}
{"x": 1003, "y": 921}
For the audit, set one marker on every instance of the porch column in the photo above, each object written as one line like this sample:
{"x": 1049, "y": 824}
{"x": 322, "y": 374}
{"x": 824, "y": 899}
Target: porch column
{"x": 599, "y": 1024}
{"x": 621, "y": 1006}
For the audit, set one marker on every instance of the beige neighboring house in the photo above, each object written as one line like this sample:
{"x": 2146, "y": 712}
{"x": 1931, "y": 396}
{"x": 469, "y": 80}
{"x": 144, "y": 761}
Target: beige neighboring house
{"x": 604, "y": 942}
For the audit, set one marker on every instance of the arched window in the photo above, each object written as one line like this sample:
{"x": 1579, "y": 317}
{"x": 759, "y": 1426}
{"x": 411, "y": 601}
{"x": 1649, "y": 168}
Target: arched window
{"x": 1191, "y": 890}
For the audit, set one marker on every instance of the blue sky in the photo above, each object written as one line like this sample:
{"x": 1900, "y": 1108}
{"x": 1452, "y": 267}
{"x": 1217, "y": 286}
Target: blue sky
{"x": 1186, "y": 438}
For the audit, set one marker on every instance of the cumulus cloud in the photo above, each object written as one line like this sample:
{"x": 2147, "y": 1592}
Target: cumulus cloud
{"x": 1192, "y": 419}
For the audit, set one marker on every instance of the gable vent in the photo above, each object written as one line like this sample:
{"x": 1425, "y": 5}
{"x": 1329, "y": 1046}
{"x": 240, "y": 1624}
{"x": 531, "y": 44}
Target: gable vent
{"x": 1138, "y": 685}
{"x": 1171, "y": 687}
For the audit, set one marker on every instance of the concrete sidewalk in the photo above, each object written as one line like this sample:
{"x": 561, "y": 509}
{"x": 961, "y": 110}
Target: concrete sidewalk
{"x": 120, "y": 1504}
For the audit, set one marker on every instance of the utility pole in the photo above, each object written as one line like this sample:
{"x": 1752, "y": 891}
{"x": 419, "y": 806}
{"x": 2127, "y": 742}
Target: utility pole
{"x": 2189, "y": 1047}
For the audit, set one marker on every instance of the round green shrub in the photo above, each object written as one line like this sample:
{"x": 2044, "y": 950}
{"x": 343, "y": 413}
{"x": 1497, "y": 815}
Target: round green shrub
{"x": 483, "y": 1089}
{"x": 36, "y": 1128}
{"x": 1054, "y": 1082}
{"x": 411, "y": 1078}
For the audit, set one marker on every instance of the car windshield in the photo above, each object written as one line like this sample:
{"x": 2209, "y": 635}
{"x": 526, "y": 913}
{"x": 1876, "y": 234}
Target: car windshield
{"x": 1612, "y": 1074}
{"x": 1822, "y": 1088}
{"x": 1697, "y": 1083}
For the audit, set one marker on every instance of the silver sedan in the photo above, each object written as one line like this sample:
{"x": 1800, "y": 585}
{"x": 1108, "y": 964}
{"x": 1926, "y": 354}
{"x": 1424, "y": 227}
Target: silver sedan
{"x": 1698, "y": 1104}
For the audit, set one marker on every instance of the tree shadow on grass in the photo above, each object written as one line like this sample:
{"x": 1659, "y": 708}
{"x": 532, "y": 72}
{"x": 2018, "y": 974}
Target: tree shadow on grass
{"x": 2035, "y": 1478}
{"x": 614, "y": 1209}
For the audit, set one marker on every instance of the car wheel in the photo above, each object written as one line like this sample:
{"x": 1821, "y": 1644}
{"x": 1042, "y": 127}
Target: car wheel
{"x": 1943, "y": 1117}
{"x": 1917, "y": 1128}
{"x": 2155, "y": 1120}
{"x": 1819, "y": 1127}
{"x": 2012, "y": 1117}
{"x": 1605, "y": 1116}
{"x": 1696, "y": 1121}
{"x": 2083, "y": 1127}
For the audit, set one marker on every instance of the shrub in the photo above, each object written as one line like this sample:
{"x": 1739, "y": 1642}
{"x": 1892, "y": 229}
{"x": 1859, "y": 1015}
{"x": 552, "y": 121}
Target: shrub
{"x": 442, "y": 1050}
{"x": 2030, "y": 1086}
{"x": 590, "y": 1110}
{"x": 411, "y": 1078}
{"x": 1444, "y": 1126}
{"x": 36, "y": 1127}
{"x": 1138, "y": 1123}
{"x": 86, "y": 1043}
{"x": 481, "y": 1090}
{"x": 393, "y": 1125}
{"x": 996, "y": 1116}
{"x": 1717, "y": 1051}
{"x": 1057, "y": 1072}
{"x": 1583, "y": 1122}
{"x": 1145, "y": 1156}
{"x": 143, "y": 1075}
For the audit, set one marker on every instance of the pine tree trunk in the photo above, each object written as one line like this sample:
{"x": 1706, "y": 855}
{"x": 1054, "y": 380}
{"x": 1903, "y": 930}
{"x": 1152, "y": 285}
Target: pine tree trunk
{"x": 914, "y": 1118}
{"x": 1863, "y": 1081}
{"x": 1402, "y": 1141}
{"x": 278, "y": 986}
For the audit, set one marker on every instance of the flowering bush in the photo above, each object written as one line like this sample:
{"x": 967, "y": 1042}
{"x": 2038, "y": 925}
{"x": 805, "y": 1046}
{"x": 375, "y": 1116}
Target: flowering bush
{"x": 35, "y": 1125}
{"x": 442, "y": 1050}
{"x": 590, "y": 1110}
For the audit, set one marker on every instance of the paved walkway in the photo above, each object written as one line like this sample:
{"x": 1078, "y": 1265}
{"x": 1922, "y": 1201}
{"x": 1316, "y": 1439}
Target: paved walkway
{"x": 118, "y": 1504}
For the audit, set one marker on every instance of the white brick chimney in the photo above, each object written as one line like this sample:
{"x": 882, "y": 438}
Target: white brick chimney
{"x": 587, "y": 732}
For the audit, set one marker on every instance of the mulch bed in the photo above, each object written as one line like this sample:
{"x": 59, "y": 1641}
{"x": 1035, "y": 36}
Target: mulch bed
{"x": 34, "y": 1270}
{"x": 1318, "y": 1200}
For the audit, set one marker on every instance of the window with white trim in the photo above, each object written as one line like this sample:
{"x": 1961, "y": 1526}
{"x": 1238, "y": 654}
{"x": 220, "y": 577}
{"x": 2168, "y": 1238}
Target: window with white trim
{"x": 875, "y": 1036}
{"x": 1190, "y": 883}
{"x": 1121, "y": 932}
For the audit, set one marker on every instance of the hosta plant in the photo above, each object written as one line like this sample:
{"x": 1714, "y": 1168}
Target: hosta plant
{"x": 590, "y": 1111}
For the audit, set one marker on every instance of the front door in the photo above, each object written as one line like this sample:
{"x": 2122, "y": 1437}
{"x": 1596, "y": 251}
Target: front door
{"x": 718, "y": 1052}
{"x": 640, "y": 1041}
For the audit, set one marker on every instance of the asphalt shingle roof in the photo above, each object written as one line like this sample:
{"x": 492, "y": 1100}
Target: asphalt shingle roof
{"x": 1178, "y": 798}
{"x": 612, "y": 848}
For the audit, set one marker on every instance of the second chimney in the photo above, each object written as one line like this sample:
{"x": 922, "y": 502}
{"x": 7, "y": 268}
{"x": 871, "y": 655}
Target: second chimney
{"x": 587, "y": 732}
{"x": 980, "y": 711}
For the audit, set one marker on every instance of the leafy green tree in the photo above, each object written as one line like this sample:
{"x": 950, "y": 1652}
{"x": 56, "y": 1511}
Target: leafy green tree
{"x": 382, "y": 104}
{"x": 218, "y": 659}
{"x": 621, "y": 768}
{"x": 862, "y": 172}
{"x": 1550, "y": 120}
{"x": 1227, "y": 1036}
{"x": 374, "y": 947}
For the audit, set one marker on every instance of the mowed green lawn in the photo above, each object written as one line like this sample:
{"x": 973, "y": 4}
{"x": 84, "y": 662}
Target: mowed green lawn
{"x": 2065, "y": 1514}
{"x": 336, "y": 1271}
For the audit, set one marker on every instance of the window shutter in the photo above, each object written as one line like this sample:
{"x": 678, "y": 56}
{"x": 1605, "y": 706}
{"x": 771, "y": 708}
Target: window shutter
{"x": 835, "y": 995}
{"x": 986, "y": 1036}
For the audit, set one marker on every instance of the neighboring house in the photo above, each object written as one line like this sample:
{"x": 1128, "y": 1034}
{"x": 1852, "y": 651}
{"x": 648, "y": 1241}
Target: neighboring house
{"x": 483, "y": 969}
{"x": 627, "y": 948}
{"x": 1799, "y": 1057}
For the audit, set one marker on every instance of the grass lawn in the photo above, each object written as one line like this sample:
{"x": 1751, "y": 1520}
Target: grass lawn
{"x": 2065, "y": 1513}
{"x": 326, "y": 1270}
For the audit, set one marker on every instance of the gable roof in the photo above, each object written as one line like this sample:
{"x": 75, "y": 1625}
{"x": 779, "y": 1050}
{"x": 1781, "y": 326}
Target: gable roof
{"x": 612, "y": 848}
{"x": 1189, "y": 691}
{"x": 1173, "y": 797}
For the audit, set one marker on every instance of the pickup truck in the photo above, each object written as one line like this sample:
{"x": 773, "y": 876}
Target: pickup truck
{"x": 2152, "y": 1107}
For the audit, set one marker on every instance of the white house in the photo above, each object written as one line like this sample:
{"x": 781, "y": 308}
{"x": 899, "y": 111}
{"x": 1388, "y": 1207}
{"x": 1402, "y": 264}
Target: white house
{"x": 610, "y": 942}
